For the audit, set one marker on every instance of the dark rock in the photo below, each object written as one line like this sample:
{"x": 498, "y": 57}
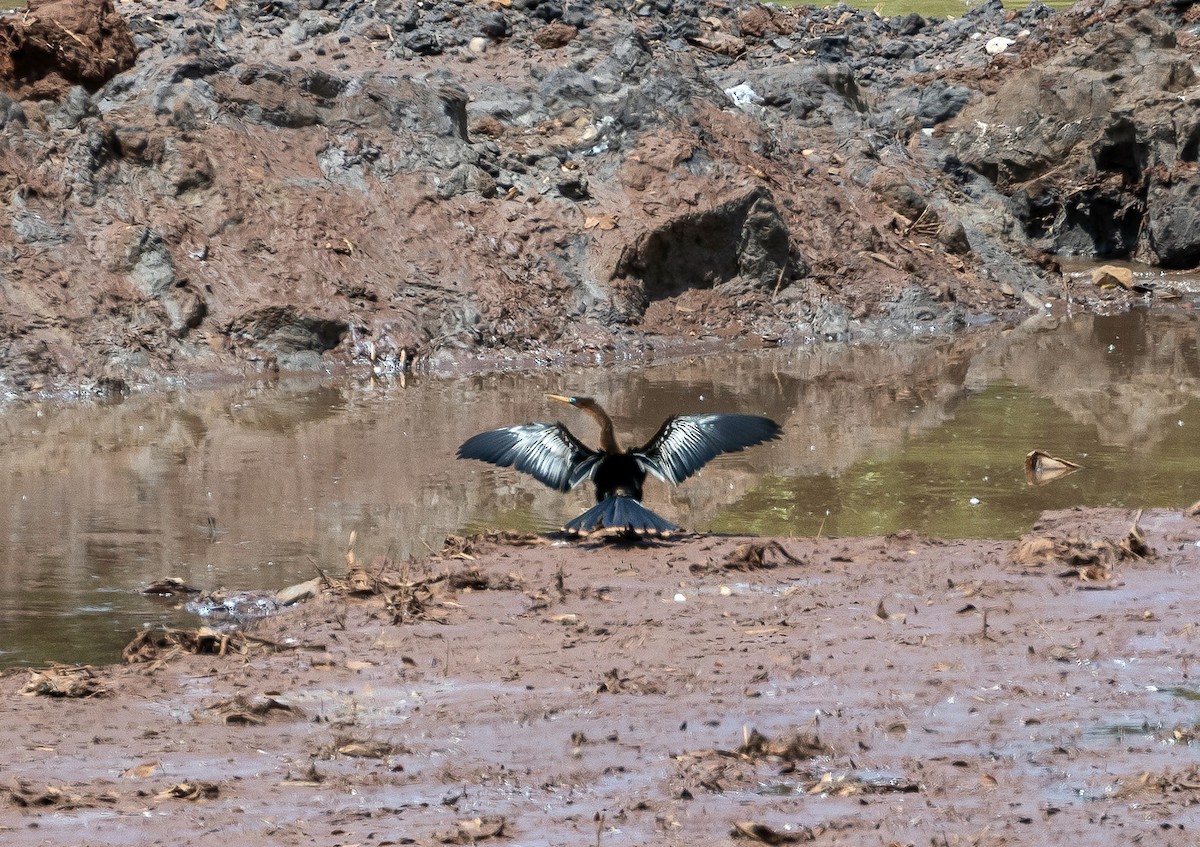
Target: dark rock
{"x": 744, "y": 237}
{"x": 10, "y": 111}
{"x": 804, "y": 90}
{"x": 75, "y": 107}
{"x": 897, "y": 48}
{"x": 548, "y": 10}
{"x": 986, "y": 9}
{"x": 466, "y": 178}
{"x": 282, "y": 329}
{"x": 32, "y": 229}
{"x": 573, "y": 185}
{"x": 423, "y": 43}
{"x": 1173, "y": 223}
{"x": 910, "y": 25}
{"x": 576, "y": 17}
{"x": 149, "y": 262}
{"x": 940, "y": 102}
{"x": 915, "y": 309}
{"x": 953, "y": 236}
{"x": 496, "y": 25}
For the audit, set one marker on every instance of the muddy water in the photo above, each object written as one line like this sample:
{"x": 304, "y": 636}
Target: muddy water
{"x": 254, "y": 487}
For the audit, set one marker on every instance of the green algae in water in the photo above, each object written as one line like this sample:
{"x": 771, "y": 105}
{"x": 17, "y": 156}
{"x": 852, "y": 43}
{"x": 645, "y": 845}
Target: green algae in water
{"x": 1185, "y": 693}
{"x": 965, "y": 479}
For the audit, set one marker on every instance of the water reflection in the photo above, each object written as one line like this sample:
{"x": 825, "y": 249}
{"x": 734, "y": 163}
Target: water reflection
{"x": 254, "y": 487}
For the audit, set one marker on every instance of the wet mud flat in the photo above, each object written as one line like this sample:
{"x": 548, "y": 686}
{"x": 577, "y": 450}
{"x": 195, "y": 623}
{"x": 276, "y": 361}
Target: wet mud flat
{"x": 517, "y": 690}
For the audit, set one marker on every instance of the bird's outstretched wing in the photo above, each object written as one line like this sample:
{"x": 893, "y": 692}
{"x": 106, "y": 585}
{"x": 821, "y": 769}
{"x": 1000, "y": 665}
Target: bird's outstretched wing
{"x": 547, "y": 452}
{"x": 686, "y": 443}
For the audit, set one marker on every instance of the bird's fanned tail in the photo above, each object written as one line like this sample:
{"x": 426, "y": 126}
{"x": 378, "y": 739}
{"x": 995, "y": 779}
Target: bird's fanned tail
{"x": 621, "y": 513}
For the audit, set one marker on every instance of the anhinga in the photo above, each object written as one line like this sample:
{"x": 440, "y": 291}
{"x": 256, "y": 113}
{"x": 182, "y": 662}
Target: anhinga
{"x": 555, "y": 457}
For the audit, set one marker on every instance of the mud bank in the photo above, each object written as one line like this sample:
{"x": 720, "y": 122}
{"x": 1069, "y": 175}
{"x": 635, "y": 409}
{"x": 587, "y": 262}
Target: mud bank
{"x": 895, "y": 690}
{"x": 214, "y": 188}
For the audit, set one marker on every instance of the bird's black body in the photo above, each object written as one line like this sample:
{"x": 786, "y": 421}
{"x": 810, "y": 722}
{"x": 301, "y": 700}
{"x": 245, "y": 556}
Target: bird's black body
{"x": 618, "y": 475}
{"x": 555, "y": 457}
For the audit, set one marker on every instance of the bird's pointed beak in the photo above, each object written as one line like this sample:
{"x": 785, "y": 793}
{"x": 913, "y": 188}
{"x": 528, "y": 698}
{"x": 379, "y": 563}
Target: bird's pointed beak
{"x": 559, "y": 398}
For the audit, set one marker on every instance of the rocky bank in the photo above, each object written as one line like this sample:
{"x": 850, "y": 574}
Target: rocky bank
{"x": 206, "y": 188}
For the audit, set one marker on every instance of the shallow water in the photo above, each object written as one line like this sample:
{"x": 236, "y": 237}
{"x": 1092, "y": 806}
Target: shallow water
{"x": 254, "y": 487}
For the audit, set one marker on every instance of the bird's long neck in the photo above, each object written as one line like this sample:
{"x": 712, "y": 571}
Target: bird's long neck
{"x": 608, "y": 438}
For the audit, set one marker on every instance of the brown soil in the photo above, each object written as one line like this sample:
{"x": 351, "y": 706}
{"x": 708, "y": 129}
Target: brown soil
{"x": 56, "y": 44}
{"x": 895, "y": 690}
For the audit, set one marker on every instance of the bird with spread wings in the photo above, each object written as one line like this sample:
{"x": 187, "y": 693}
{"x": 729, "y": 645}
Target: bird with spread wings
{"x": 553, "y": 456}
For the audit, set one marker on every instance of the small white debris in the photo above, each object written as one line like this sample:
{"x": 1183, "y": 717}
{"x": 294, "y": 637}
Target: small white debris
{"x": 974, "y": 501}
{"x": 997, "y": 45}
{"x": 725, "y": 591}
{"x": 743, "y": 96}
{"x": 679, "y": 598}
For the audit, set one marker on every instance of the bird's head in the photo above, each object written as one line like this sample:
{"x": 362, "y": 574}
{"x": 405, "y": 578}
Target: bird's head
{"x": 577, "y": 402}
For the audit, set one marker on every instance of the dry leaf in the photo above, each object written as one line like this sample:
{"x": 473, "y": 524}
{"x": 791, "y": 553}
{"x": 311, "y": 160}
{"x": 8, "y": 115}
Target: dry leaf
{"x": 476, "y": 829}
{"x": 170, "y": 586}
{"x": 141, "y": 771}
{"x": 600, "y": 221}
{"x": 1041, "y": 467}
{"x": 366, "y": 749}
{"x": 881, "y": 613}
{"x": 1134, "y": 543}
{"x": 191, "y": 791}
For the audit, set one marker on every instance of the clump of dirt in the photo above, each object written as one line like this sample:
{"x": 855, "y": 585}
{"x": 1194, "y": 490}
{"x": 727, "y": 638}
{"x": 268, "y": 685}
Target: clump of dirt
{"x": 66, "y": 681}
{"x": 1091, "y": 560}
{"x": 795, "y": 747}
{"x": 53, "y": 45}
{"x": 166, "y": 643}
{"x": 250, "y": 711}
